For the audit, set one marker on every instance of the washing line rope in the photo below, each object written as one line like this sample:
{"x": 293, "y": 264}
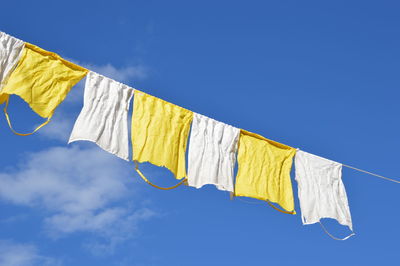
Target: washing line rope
{"x": 373, "y": 174}
{"x": 360, "y": 170}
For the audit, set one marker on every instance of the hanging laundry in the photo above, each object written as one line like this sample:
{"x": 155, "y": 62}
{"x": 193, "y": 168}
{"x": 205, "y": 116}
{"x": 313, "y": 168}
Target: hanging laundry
{"x": 160, "y": 132}
{"x": 43, "y": 80}
{"x": 264, "y": 170}
{"x": 104, "y": 116}
{"x": 10, "y": 53}
{"x": 321, "y": 191}
{"x": 212, "y": 153}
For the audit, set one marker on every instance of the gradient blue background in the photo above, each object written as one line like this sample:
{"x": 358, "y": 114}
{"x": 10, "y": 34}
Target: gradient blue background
{"x": 323, "y": 77}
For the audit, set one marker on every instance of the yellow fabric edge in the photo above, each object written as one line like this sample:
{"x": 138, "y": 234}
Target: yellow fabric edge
{"x": 30, "y": 105}
{"x": 45, "y": 52}
{"x": 263, "y": 199}
{"x": 278, "y": 144}
{"x": 169, "y": 103}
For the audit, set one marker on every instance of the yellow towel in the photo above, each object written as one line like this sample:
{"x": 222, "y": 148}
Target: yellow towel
{"x": 160, "y": 132}
{"x": 264, "y": 170}
{"x": 43, "y": 79}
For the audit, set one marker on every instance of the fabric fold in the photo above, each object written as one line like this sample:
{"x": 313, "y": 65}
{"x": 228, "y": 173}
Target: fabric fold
{"x": 264, "y": 170}
{"x": 160, "y": 133}
{"x": 212, "y": 153}
{"x": 10, "y": 53}
{"x": 104, "y": 116}
{"x": 321, "y": 191}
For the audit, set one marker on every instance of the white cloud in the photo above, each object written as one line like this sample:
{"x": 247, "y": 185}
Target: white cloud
{"x": 59, "y": 128}
{"x": 121, "y": 74}
{"x": 80, "y": 190}
{"x": 14, "y": 254}
{"x": 124, "y": 74}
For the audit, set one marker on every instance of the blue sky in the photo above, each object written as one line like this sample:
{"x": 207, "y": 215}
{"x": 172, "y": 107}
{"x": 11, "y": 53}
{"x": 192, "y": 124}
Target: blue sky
{"x": 319, "y": 76}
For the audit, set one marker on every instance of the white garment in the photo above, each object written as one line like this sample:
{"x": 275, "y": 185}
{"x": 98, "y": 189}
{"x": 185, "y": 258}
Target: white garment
{"x": 320, "y": 189}
{"x": 212, "y": 153}
{"x": 10, "y": 53}
{"x": 104, "y": 116}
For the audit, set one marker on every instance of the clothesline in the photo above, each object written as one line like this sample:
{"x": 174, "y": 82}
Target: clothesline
{"x": 363, "y": 171}
{"x": 161, "y": 131}
{"x": 348, "y": 166}
{"x": 345, "y": 165}
{"x": 373, "y": 174}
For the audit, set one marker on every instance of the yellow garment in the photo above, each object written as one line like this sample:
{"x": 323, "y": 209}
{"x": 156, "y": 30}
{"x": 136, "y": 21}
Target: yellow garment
{"x": 43, "y": 79}
{"x": 160, "y": 132}
{"x": 264, "y": 170}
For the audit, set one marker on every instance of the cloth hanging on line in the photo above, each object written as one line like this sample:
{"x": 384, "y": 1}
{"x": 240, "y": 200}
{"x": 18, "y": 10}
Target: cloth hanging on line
{"x": 104, "y": 116}
{"x": 321, "y": 191}
{"x": 10, "y": 53}
{"x": 264, "y": 170}
{"x": 212, "y": 153}
{"x": 43, "y": 80}
{"x": 160, "y": 133}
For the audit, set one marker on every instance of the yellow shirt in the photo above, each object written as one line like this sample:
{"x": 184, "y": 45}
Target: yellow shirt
{"x": 160, "y": 132}
{"x": 264, "y": 170}
{"x": 43, "y": 79}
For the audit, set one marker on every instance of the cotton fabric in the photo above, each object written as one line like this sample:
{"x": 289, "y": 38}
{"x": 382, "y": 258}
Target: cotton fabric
{"x": 43, "y": 79}
{"x": 160, "y": 132}
{"x": 212, "y": 153}
{"x": 264, "y": 170}
{"x": 104, "y": 116}
{"x": 320, "y": 189}
{"x": 10, "y": 53}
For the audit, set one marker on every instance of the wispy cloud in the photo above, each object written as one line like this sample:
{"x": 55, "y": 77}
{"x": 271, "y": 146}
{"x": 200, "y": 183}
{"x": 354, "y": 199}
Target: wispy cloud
{"x": 81, "y": 190}
{"x": 15, "y": 254}
{"x": 127, "y": 75}
{"x": 124, "y": 74}
{"x": 60, "y": 126}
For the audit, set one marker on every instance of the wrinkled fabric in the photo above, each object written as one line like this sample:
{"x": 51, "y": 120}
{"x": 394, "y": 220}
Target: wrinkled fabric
{"x": 160, "y": 132}
{"x": 42, "y": 79}
{"x": 104, "y": 116}
{"x": 320, "y": 189}
{"x": 10, "y": 53}
{"x": 212, "y": 153}
{"x": 264, "y": 170}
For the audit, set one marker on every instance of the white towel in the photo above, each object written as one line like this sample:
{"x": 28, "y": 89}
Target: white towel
{"x": 212, "y": 153}
{"x": 320, "y": 189}
{"x": 10, "y": 53}
{"x": 104, "y": 116}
